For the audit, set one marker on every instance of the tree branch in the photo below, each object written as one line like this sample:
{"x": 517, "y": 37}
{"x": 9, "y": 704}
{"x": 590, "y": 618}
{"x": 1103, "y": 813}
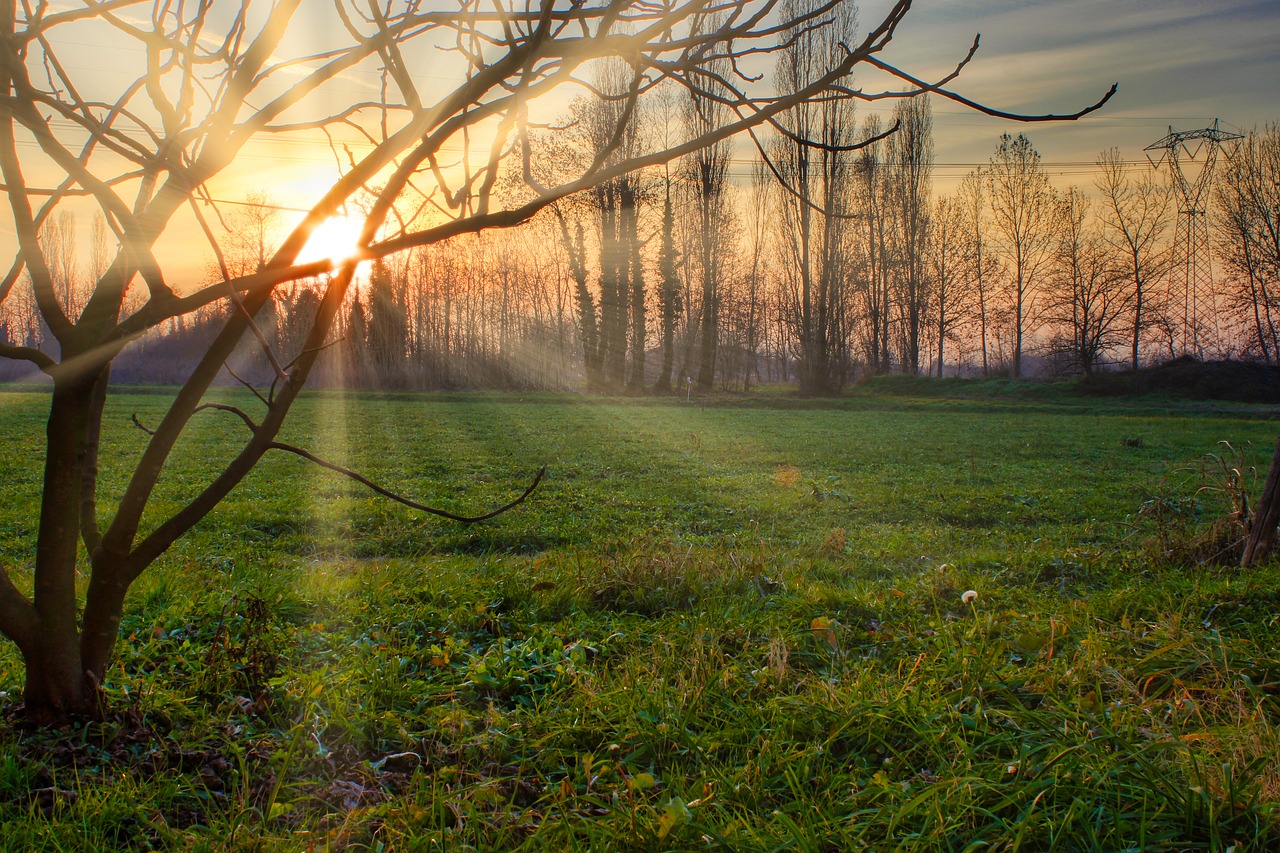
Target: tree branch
{"x": 387, "y": 493}
{"x": 985, "y": 110}
{"x": 31, "y": 354}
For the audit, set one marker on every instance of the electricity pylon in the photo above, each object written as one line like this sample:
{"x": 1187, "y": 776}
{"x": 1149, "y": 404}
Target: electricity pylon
{"x": 1191, "y": 289}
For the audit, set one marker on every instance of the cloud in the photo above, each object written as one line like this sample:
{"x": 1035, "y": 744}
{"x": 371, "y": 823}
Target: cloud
{"x": 1179, "y": 62}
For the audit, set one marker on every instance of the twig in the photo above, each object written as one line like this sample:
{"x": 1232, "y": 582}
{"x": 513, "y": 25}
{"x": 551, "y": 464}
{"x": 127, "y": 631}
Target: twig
{"x": 246, "y": 384}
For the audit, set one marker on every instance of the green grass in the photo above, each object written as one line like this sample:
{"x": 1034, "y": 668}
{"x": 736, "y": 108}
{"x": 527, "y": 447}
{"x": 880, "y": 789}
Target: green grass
{"x": 735, "y": 624}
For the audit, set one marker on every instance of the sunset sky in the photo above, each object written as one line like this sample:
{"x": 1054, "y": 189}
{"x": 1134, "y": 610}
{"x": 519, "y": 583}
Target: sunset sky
{"x": 1179, "y": 62}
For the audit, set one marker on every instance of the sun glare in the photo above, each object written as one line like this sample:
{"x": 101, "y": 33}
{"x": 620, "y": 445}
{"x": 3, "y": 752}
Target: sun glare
{"x": 336, "y": 239}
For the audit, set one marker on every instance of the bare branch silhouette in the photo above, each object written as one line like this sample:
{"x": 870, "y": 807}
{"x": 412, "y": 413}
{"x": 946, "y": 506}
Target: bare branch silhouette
{"x": 191, "y": 104}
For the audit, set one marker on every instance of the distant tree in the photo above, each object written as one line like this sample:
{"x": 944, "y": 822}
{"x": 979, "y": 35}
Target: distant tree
{"x": 58, "y": 241}
{"x": 150, "y": 151}
{"x": 1022, "y": 216}
{"x": 247, "y": 244}
{"x": 1247, "y": 206}
{"x": 813, "y": 155}
{"x": 757, "y": 236}
{"x": 668, "y": 290}
{"x": 1085, "y": 301}
{"x": 706, "y": 173}
{"x": 909, "y": 177}
{"x": 669, "y": 285}
{"x": 949, "y": 257}
{"x": 637, "y": 293}
{"x": 873, "y": 283}
{"x": 357, "y": 338}
{"x": 611, "y": 133}
{"x": 386, "y": 331}
{"x": 1135, "y": 214}
{"x": 972, "y": 199}
{"x": 574, "y": 238}
{"x": 250, "y": 237}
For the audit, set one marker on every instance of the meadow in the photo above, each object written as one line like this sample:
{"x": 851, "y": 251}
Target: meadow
{"x": 742, "y": 623}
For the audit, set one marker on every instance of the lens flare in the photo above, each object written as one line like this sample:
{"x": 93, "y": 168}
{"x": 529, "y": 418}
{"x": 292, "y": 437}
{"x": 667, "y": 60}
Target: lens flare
{"x": 337, "y": 239}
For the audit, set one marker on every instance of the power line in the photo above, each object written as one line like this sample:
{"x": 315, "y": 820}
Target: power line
{"x": 457, "y": 150}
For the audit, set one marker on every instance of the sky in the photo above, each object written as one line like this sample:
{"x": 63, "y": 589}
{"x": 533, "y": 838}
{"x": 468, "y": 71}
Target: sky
{"x": 1178, "y": 62}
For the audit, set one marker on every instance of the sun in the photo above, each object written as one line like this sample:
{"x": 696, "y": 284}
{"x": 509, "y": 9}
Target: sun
{"x": 336, "y": 239}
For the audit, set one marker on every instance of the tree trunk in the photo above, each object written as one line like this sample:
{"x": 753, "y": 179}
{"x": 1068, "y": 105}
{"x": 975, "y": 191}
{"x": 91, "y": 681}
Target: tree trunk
{"x": 707, "y": 333}
{"x": 663, "y": 384}
{"x": 103, "y": 607}
{"x": 637, "y": 293}
{"x": 1262, "y": 531}
{"x": 942, "y": 335}
{"x": 1137, "y": 323}
{"x": 57, "y": 686}
{"x": 1017, "y": 330}
{"x": 669, "y": 294}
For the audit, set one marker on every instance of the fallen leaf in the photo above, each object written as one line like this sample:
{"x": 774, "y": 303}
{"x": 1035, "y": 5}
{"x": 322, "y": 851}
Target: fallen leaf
{"x": 1029, "y": 641}
{"x": 674, "y": 814}
{"x": 824, "y": 630}
{"x": 642, "y": 782}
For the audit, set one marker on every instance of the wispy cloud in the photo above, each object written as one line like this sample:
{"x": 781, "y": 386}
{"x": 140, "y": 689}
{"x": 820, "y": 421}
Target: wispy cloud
{"x": 1178, "y": 62}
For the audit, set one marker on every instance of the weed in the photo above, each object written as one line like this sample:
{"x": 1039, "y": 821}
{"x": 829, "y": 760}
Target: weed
{"x": 835, "y": 543}
{"x": 1229, "y": 475}
{"x": 1183, "y": 528}
{"x": 243, "y": 655}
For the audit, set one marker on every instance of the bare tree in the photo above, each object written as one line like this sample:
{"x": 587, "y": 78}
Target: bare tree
{"x": 1248, "y": 203}
{"x": 669, "y": 256}
{"x": 972, "y": 198}
{"x": 613, "y": 320}
{"x": 1247, "y": 200}
{"x": 197, "y": 100}
{"x": 705, "y": 174}
{"x": 757, "y": 236}
{"x": 59, "y": 244}
{"x": 1084, "y": 300}
{"x": 386, "y": 333}
{"x": 949, "y": 257}
{"x": 668, "y": 290}
{"x": 813, "y": 158}
{"x": 1022, "y": 215}
{"x": 250, "y": 239}
{"x": 873, "y": 283}
{"x": 1135, "y": 215}
{"x": 910, "y": 153}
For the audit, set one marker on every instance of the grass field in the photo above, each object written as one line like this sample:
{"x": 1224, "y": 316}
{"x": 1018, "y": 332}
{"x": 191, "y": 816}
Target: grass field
{"x": 739, "y": 624}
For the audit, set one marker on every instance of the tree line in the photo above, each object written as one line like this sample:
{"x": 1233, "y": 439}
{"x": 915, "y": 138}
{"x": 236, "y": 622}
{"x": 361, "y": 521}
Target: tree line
{"x": 831, "y": 262}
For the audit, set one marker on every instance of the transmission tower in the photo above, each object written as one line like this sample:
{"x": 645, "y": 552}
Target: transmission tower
{"x": 1191, "y": 287}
